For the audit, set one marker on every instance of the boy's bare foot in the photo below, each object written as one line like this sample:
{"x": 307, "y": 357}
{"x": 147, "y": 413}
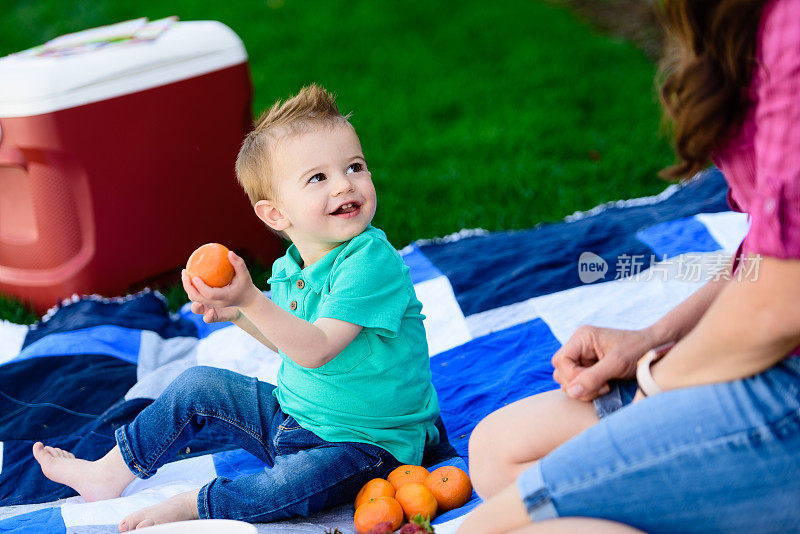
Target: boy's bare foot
{"x": 95, "y": 481}
{"x": 182, "y": 507}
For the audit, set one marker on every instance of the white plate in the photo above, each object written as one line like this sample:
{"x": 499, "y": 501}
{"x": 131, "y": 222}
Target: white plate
{"x": 202, "y": 526}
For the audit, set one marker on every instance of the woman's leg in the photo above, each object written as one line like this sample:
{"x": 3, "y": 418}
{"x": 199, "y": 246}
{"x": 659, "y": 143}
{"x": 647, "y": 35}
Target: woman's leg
{"x": 716, "y": 458}
{"x": 571, "y": 525}
{"x": 511, "y": 439}
{"x": 505, "y": 512}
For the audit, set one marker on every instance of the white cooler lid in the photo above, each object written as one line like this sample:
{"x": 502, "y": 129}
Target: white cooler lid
{"x": 40, "y": 81}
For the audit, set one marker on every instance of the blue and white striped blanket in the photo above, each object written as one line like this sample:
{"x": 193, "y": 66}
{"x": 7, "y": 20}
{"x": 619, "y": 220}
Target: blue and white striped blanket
{"x": 498, "y": 305}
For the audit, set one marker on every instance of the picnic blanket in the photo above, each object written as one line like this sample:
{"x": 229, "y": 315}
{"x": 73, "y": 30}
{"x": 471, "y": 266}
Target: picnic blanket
{"x": 498, "y": 305}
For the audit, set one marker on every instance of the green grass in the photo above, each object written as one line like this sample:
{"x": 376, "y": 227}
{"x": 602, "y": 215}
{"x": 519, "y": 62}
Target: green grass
{"x": 498, "y": 115}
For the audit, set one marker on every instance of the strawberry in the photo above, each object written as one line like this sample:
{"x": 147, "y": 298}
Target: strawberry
{"x": 417, "y": 525}
{"x": 384, "y": 527}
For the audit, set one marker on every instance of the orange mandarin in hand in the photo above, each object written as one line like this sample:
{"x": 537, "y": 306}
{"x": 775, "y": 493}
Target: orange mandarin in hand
{"x": 210, "y": 262}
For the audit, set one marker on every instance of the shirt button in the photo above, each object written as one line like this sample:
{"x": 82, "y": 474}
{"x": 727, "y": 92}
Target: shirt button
{"x": 300, "y": 284}
{"x": 293, "y": 305}
{"x": 769, "y": 205}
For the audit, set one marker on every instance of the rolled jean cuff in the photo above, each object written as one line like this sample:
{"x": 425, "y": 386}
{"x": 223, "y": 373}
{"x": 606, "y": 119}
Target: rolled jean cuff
{"x": 620, "y": 395}
{"x": 127, "y": 455}
{"x": 203, "y": 509}
{"x": 535, "y": 495}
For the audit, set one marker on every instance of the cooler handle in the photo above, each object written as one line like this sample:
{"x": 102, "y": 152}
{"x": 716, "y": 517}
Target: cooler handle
{"x": 12, "y": 156}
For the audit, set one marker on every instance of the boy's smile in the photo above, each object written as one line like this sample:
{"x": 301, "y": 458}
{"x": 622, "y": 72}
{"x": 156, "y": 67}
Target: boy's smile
{"x": 324, "y": 192}
{"x": 347, "y": 210}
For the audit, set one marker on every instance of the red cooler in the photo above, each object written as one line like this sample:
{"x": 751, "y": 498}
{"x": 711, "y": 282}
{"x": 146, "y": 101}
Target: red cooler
{"x": 116, "y": 162}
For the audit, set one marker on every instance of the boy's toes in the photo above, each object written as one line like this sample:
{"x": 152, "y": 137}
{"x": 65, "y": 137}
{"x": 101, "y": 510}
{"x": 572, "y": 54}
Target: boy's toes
{"x": 39, "y": 451}
{"x": 42, "y": 452}
{"x": 132, "y": 521}
{"x": 146, "y": 523}
{"x": 135, "y": 521}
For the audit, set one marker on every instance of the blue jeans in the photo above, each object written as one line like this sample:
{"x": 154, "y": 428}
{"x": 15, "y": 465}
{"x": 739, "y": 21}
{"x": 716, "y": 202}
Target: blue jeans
{"x": 718, "y": 458}
{"x": 305, "y": 474}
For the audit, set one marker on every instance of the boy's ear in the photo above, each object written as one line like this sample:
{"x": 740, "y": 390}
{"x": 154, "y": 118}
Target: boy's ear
{"x": 269, "y": 212}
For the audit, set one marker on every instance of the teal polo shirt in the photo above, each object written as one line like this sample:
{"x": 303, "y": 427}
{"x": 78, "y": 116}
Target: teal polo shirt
{"x": 378, "y": 390}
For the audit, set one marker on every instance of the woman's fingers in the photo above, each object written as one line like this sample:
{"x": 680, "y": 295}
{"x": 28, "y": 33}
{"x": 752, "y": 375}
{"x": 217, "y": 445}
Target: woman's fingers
{"x": 557, "y": 378}
{"x": 588, "y": 384}
{"x": 566, "y": 358}
{"x": 592, "y": 357}
{"x": 573, "y": 356}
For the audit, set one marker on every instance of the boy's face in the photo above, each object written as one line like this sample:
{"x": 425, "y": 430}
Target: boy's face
{"x": 324, "y": 192}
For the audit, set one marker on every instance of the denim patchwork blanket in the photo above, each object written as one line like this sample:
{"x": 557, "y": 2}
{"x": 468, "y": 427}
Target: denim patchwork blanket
{"x": 498, "y": 306}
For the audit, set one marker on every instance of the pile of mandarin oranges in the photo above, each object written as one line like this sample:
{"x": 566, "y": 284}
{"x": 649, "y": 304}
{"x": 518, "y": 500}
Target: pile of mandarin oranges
{"x": 410, "y": 493}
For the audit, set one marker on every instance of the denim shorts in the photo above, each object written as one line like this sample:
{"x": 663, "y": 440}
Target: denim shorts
{"x": 621, "y": 394}
{"x": 303, "y": 473}
{"x": 716, "y": 458}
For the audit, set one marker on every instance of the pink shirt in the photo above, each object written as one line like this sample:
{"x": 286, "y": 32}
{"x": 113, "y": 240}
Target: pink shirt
{"x": 762, "y": 163}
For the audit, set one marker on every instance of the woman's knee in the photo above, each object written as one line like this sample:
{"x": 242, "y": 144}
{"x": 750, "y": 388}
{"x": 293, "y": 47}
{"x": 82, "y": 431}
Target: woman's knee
{"x": 476, "y": 447}
{"x": 511, "y": 439}
{"x": 483, "y": 440}
{"x": 488, "y": 461}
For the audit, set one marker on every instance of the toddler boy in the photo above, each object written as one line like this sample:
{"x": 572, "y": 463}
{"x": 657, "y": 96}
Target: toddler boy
{"x": 354, "y": 397}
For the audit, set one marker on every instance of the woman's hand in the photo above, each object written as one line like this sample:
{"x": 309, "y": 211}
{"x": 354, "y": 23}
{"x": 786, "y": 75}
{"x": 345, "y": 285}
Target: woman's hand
{"x": 221, "y": 304}
{"x": 594, "y": 355}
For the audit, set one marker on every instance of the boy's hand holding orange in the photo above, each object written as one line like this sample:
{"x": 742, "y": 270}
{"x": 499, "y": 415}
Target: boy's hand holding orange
{"x": 210, "y": 262}
{"x": 213, "y": 264}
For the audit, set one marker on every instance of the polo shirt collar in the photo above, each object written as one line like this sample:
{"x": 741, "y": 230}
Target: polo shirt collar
{"x": 314, "y": 275}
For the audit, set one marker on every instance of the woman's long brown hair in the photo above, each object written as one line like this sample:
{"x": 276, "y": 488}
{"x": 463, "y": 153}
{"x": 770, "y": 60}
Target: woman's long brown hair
{"x": 707, "y": 66}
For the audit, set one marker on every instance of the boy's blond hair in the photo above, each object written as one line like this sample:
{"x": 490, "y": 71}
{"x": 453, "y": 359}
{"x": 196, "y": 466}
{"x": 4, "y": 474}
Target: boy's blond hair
{"x": 311, "y": 106}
